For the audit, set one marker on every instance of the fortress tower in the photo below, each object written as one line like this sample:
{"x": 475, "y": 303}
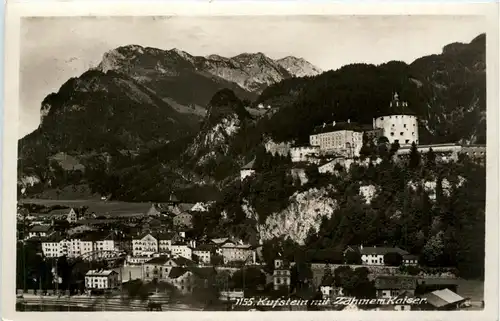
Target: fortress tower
{"x": 399, "y": 126}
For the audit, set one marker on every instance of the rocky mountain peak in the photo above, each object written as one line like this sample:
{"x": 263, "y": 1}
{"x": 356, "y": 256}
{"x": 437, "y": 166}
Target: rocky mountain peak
{"x": 298, "y": 67}
{"x": 222, "y": 104}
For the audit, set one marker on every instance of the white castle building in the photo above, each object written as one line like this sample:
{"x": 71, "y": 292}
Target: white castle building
{"x": 343, "y": 139}
{"x": 400, "y": 128}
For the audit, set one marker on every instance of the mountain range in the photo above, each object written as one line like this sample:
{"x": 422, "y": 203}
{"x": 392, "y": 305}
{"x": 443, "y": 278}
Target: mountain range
{"x": 180, "y": 119}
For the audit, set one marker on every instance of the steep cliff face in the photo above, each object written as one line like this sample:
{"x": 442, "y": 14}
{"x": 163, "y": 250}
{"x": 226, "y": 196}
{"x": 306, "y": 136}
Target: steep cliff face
{"x": 305, "y": 211}
{"x": 455, "y": 83}
{"x": 224, "y": 117}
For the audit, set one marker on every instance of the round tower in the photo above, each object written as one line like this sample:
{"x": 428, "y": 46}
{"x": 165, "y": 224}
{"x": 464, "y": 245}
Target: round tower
{"x": 399, "y": 126}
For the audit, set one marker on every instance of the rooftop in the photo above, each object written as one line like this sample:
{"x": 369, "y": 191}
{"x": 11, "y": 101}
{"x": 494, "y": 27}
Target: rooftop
{"x": 382, "y": 250}
{"x": 337, "y": 126}
{"x": 100, "y": 272}
{"x": 442, "y": 298}
{"x": 158, "y": 260}
{"x": 220, "y": 240}
{"x": 62, "y": 211}
{"x": 203, "y": 272}
{"x": 249, "y": 165}
{"x": 176, "y": 272}
{"x": 204, "y": 247}
{"x": 182, "y": 261}
{"x": 41, "y": 228}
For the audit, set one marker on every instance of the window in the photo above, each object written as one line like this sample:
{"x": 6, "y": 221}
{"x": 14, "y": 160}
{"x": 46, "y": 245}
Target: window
{"x": 401, "y": 133}
{"x": 404, "y": 125}
{"x": 407, "y": 141}
{"x": 396, "y": 141}
{"x": 392, "y": 134}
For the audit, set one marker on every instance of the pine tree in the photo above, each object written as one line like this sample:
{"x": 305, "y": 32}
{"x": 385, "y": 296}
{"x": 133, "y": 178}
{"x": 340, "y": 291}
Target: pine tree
{"x": 431, "y": 159}
{"x": 414, "y": 157}
{"x": 394, "y": 148}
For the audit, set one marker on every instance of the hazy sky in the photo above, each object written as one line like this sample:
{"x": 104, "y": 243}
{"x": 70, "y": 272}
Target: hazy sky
{"x": 55, "y": 49}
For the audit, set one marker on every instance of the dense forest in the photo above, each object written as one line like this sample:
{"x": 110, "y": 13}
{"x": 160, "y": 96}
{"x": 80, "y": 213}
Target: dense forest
{"x": 446, "y": 230}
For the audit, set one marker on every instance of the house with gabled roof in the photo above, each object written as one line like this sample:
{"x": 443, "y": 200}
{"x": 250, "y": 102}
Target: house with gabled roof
{"x": 238, "y": 253}
{"x": 394, "y": 285}
{"x": 153, "y": 211}
{"x": 444, "y": 299}
{"x": 144, "y": 243}
{"x": 69, "y": 214}
{"x": 40, "y": 231}
{"x": 374, "y": 255}
{"x": 204, "y": 252}
{"x": 181, "y": 249}
{"x": 199, "y": 207}
{"x": 159, "y": 267}
{"x": 182, "y": 278}
{"x": 247, "y": 170}
{"x": 101, "y": 279}
{"x": 183, "y": 220}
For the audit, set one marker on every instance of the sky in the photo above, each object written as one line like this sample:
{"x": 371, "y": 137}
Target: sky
{"x": 54, "y": 49}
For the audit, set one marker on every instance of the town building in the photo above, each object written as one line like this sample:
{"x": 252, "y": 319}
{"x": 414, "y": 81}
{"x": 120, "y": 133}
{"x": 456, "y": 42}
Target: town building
{"x": 56, "y": 246}
{"x": 281, "y": 274}
{"x": 237, "y": 253}
{"x": 444, "y": 300}
{"x": 181, "y": 249}
{"x": 248, "y": 170}
{"x": 374, "y": 255}
{"x": 200, "y": 207}
{"x": 68, "y": 214}
{"x": 204, "y": 253}
{"x": 145, "y": 243}
{"x": 399, "y": 127}
{"x": 342, "y": 139}
{"x": 101, "y": 279}
{"x": 160, "y": 267}
{"x": 393, "y": 286}
{"x": 183, "y": 220}
{"x": 281, "y": 149}
{"x": 153, "y": 211}
{"x": 305, "y": 154}
{"x": 80, "y": 229}
{"x": 165, "y": 242}
{"x": 182, "y": 278}
{"x": 40, "y": 231}
{"x": 410, "y": 259}
{"x": 329, "y": 291}
{"x": 136, "y": 260}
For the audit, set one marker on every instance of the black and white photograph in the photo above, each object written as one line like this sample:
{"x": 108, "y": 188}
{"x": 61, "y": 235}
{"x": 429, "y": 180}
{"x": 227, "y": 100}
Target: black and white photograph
{"x": 253, "y": 163}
